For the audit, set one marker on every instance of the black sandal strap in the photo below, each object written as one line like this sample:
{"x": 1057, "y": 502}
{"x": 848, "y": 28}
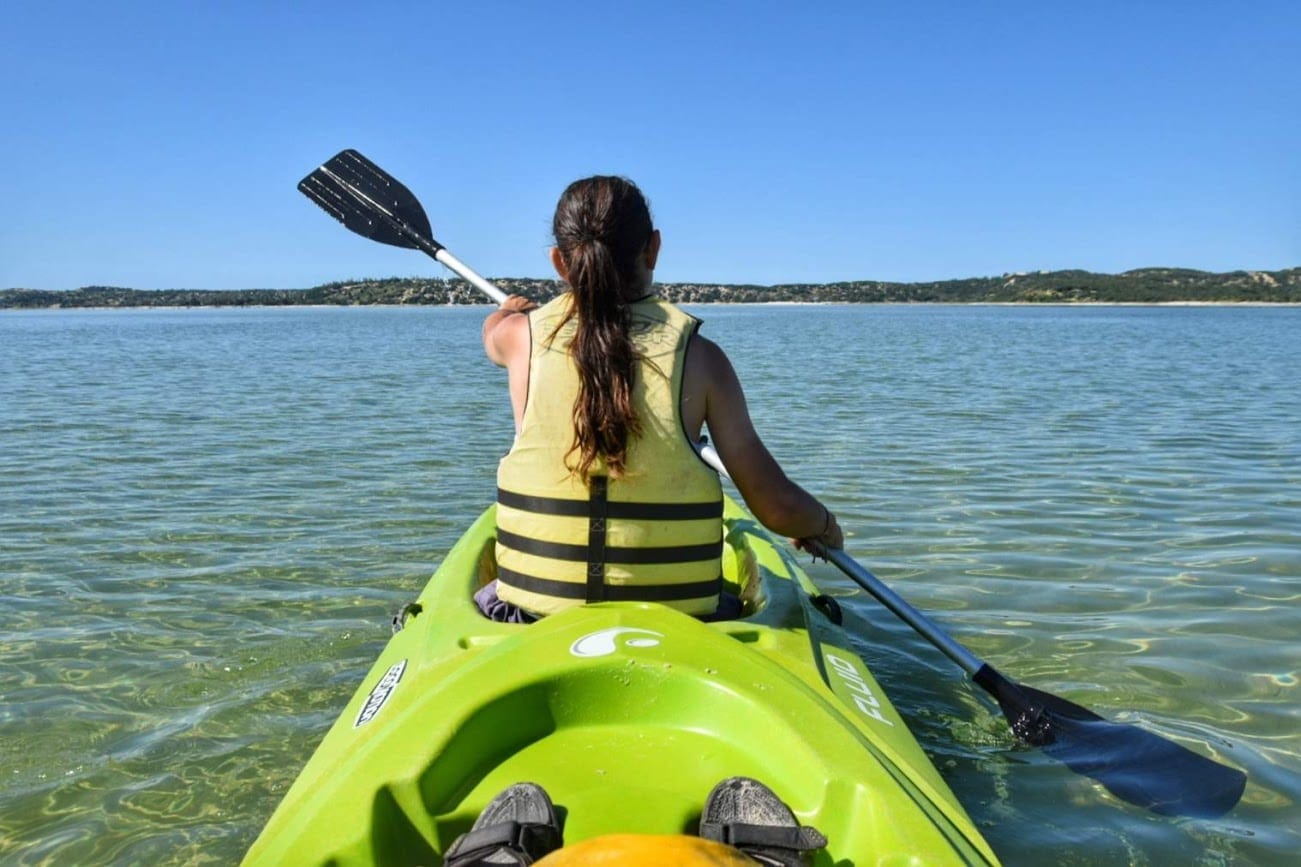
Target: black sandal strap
{"x": 528, "y": 838}
{"x": 741, "y": 835}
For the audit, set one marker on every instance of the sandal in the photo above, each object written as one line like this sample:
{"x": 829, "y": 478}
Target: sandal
{"x": 519, "y": 826}
{"x": 748, "y": 815}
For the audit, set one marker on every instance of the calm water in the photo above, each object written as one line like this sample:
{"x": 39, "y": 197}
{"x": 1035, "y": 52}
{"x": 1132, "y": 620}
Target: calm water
{"x": 207, "y": 518}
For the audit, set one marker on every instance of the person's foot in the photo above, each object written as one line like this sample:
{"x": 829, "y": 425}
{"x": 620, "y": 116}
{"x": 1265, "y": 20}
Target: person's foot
{"x": 519, "y": 826}
{"x": 748, "y": 815}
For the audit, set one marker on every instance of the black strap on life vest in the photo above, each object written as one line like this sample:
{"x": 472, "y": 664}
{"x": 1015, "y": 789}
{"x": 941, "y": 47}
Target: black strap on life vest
{"x": 613, "y": 593}
{"x": 596, "y": 517}
{"x": 599, "y": 511}
{"x": 613, "y": 553}
{"x": 616, "y": 510}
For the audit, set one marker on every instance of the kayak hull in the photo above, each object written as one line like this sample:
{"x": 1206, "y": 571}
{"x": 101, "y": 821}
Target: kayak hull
{"x": 628, "y": 714}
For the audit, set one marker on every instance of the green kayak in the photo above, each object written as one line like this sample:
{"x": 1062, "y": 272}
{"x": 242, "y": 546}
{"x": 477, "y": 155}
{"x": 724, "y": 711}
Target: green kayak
{"x": 628, "y": 714}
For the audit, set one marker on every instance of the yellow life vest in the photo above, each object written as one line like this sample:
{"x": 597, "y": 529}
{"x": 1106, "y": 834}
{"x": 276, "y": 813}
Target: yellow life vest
{"x": 654, "y": 534}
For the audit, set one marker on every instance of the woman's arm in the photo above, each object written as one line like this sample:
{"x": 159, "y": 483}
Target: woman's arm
{"x": 780, "y": 505}
{"x": 506, "y": 342}
{"x": 506, "y": 334}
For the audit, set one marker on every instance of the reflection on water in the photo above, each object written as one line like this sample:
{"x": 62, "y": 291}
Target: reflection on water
{"x": 209, "y": 516}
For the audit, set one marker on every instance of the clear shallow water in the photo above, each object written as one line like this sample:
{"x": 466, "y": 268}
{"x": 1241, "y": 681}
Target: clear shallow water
{"x": 208, "y": 516}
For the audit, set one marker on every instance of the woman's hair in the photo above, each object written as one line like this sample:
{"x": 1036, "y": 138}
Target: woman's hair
{"x": 601, "y": 227}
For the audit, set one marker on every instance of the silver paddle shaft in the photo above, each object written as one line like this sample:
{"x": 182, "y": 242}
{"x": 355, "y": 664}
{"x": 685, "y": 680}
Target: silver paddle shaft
{"x": 484, "y": 286}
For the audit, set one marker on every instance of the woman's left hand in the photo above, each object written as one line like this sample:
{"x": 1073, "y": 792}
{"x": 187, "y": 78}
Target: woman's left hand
{"x": 830, "y": 537}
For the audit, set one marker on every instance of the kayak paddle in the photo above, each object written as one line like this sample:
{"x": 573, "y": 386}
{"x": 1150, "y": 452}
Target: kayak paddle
{"x": 372, "y": 203}
{"x": 1134, "y": 764}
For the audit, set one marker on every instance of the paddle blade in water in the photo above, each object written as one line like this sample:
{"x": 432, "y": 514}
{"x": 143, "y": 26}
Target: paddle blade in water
{"x": 369, "y": 201}
{"x": 1138, "y": 766}
{"x": 1133, "y": 764}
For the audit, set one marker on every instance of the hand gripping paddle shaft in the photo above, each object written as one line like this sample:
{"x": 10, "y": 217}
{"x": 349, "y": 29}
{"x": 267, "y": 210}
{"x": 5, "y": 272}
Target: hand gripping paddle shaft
{"x": 375, "y": 205}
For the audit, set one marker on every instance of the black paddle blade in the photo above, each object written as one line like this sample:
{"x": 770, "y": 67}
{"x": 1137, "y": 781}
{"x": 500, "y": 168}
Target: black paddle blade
{"x": 369, "y": 201}
{"x": 1133, "y": 764}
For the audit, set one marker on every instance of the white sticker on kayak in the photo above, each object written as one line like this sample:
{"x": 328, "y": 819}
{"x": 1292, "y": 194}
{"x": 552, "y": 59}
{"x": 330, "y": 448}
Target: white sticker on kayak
{"x": 381, "y": 693}
{"x": 859, "y": 691}
{"x": 603, "y": 643}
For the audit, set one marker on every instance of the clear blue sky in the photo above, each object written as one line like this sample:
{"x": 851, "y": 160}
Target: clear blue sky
{"x": 157, "y": 145}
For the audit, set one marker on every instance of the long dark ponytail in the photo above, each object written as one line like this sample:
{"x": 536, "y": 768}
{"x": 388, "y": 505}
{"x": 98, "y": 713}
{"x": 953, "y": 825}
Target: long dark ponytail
{"x": 602, "y": 227}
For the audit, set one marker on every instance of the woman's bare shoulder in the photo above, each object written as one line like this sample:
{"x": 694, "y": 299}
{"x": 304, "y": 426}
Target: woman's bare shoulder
{"x": 505, "y": 336}
{"x": 708, "y": 359}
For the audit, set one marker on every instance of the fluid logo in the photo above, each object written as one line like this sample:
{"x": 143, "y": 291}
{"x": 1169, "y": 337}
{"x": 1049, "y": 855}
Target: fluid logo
{"x": 381, "y": 693}
{"x": 603, "y": 643}
{"x": 859, "y": 691}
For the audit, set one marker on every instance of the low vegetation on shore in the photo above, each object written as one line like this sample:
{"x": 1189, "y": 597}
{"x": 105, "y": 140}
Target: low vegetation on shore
{"x": 1144, "y": 286}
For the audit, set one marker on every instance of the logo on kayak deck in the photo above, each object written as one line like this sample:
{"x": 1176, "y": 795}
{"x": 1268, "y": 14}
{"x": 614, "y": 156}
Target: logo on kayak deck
{"x": 859, "y": 691}
{"x": 603, "y": 643}
{"x": 381, "y": 693}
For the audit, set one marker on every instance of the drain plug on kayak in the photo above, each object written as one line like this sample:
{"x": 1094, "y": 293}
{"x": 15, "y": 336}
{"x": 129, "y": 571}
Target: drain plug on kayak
{"x": 828, "y": 606}
{"x": 410, "y": 610}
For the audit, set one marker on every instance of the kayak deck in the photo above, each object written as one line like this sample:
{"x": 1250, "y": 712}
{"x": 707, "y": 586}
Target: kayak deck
{"x": 628, "y": 714}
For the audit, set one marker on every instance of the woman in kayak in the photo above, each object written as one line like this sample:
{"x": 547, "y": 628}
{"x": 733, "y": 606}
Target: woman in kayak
{"x": 603, "y": 495}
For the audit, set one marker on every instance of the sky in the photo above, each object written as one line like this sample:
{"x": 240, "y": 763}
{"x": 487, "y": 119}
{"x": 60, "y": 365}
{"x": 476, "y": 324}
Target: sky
{"x": 157, "y": 145}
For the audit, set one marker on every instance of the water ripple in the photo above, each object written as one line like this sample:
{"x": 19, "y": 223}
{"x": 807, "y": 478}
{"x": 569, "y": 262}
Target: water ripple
{"x": 208, "y": 517}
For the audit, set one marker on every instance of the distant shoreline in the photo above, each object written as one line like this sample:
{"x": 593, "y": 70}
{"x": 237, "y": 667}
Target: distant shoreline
{"x": 488, "y": 306}
{"x": 1147, "y": 286}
